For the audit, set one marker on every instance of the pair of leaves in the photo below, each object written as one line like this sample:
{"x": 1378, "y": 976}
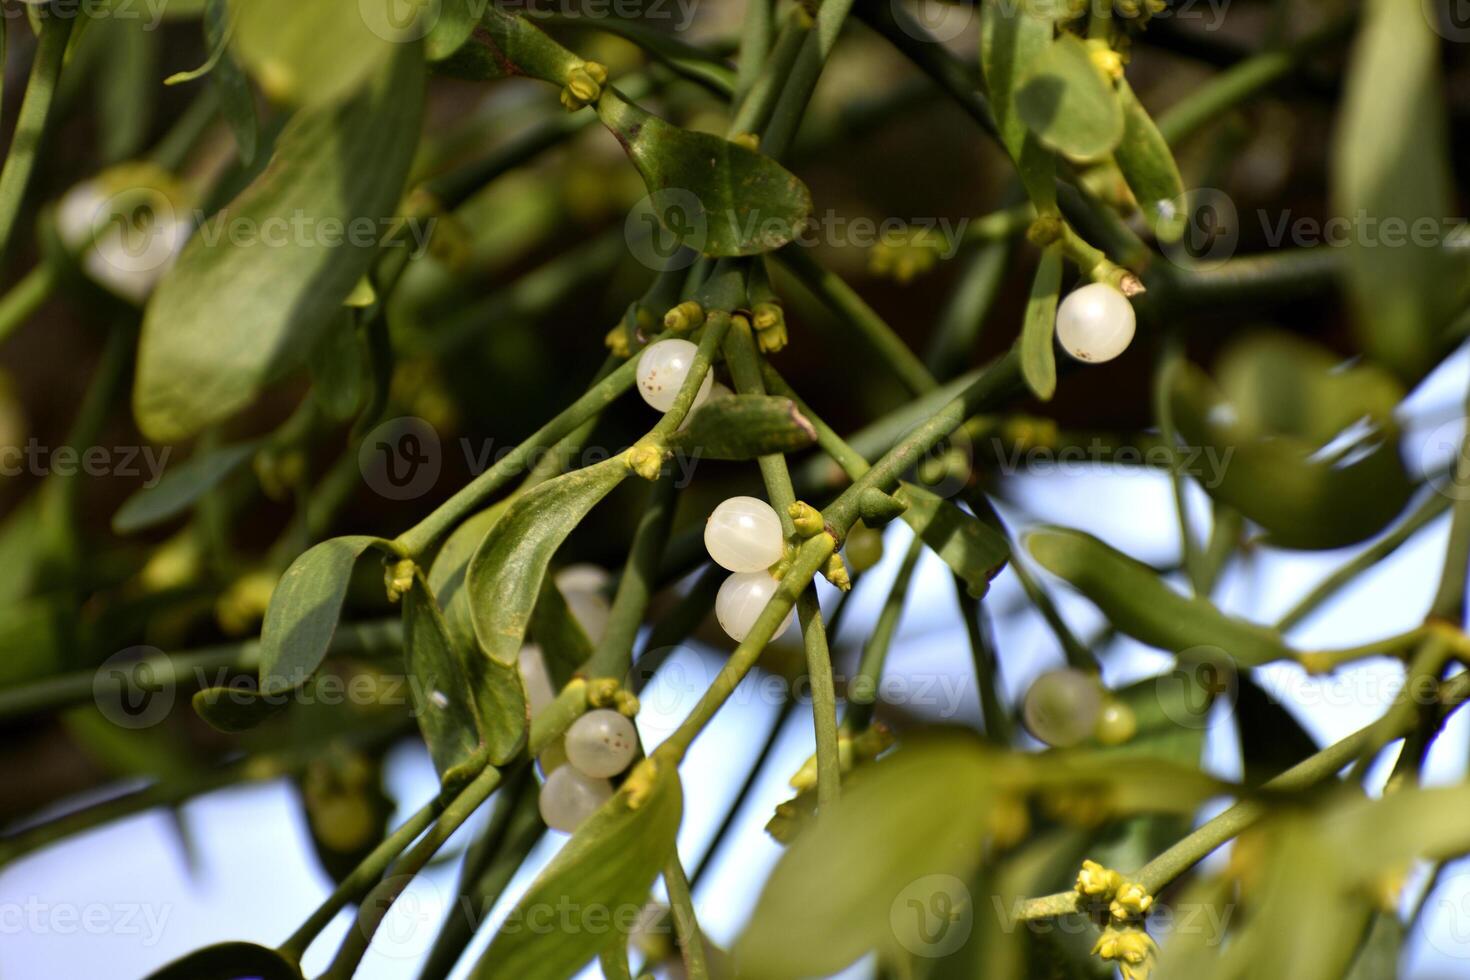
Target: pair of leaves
{"x": 239, "y": 310}
{"x": 1012, "y": 38}
{"x": 1308, "y": 446}
{"x": 603, "y": 874}
{"x": 1138, "y": 602}
{"x": 1068, "y": 103}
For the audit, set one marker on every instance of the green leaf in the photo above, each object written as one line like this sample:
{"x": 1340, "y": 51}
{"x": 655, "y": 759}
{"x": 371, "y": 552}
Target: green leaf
{"x": 1138, "y": 602}
{"x": 240, "y": 310}
{"x": 1012, "y": 38}
{"x": 1391, "y": 164}
{"x": 841, "y": 887}
{"x": 339, "y": 368}
{"x": 452, "y": 27}
{"x": 180, "y": 487}
{"x": 1271, "y": 739}
{"x": 237, "y": 102}
{"x": 443, "y": 700}
{"x": 974, "y": 550}
{"x": 605, "y": 870}
{"x": 229, "y": 961}
{"x": 1307, "y": 447}
{"x": 717, "y": 197}
{"x": 1038, "y": 355}
{"x": 234, "y": 709}
{"x": 499, "y": 694}
{"x": 743, "y": 427}
{"x": 315, "y": 53}
{"x": 304, "y": 610}
{"x": 1148, "y": 166}
{"x": 1068, "y": 103}
{"x": 504, "y": 576}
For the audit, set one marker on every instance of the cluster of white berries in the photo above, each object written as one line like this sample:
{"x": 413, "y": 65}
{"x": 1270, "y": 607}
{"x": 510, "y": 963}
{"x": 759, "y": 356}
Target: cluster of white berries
{"x": 126, "y": 229}
{"x": 1066, "y": 707}
{"x": 601, "y": 743}
{"x": 1095, "y": 323}
{"x": 744, "y": 535}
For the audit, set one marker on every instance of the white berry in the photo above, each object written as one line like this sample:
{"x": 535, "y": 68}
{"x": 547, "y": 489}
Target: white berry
{"x": 539, "y": 690}
{"x": 129, "y": 253}
{"x": 1095, "y": 323}
{"x": 601, "y": 743}
{"x": 743, "y": 534}
{"x": 582, "y": 587}
{"x": 568, "y": 798}
{"x": 740, "y": 601}
{"x": 1062, "y": 707}
{"x": 662, "y": 368}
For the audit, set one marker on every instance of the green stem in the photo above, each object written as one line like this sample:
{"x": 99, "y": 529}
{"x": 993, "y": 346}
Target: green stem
{"x": 686, "y": 924}
{"x": 1170, "y": 361}
{"x": 25, "y": 298}
{"x": 998, "y": 727}
{"x": 376, "y": 905}
{"x": 613, "y": 656}
{"x": 30, "y": 127}
{"x": 843, "y": 300}
{"x": 1238, "y": 84}
{"x": 801, "y": 80}
{"x": 862, "y": 693}
{"x": 755, "y": 45}
{"x": 745, "y": 370}
{"x": 1449, "y": 598}
{"x": 1428, "y": 510}
{"x": 362, "y": 878}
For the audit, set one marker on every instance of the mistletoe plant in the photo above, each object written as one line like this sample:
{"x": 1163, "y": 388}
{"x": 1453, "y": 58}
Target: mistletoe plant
{"x": 300, "y": 264}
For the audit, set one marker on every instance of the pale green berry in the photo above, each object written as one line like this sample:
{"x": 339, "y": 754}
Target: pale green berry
{"x": 568, "y": 798}
{"x": 1062, "y": 707}
{"x": 1095, "y": 323}
{"x": 741, "y": 600}
{"x": 601, "y": 743}
{"x": 743, "y": 534}
{"x": 662, "y": 369}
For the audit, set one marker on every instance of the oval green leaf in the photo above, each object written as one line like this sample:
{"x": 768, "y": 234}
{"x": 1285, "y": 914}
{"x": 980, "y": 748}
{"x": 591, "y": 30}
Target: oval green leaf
{"x": 1012, "y": 38}
{"x": 230, "y": 961}
{"x": 743, "y": 427}
{"x": 605, "y": 870}
{"x": 1038, "y": 354}
{"x": 916, "y": 813}
{"x": 973, "y": 549}
{"x": 239, "y": 310}
{"x": 304, "y": 610}
{"x": 716, "y": 197}
{"x": 180, "y": 487}
{"x": 504, "y": 576}
{"x": 1149, "y": 169}
{"x": 1308, "y": 446}
{"x": 1140, "y": 604}
{"x": 1069, "y": 104}
{"x": 319, "y": 52}
{"x": 439, "y": 684}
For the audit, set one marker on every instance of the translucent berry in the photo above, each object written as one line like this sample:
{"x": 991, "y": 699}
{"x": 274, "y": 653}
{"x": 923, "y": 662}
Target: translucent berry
{"x": 583, "y": 586}
{"x": 1062, "y": 707}
{"x": 740, "y": 601}
{"x": 662, "y": 368}
{"x": 601, "y": 743}
{"x": 1117, "y": 723}
{"x": 743, "y": 534}
{"x": 1095, "y": 323}
{"x": 568, "y": 798}
{"x": 539, "y": 690}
